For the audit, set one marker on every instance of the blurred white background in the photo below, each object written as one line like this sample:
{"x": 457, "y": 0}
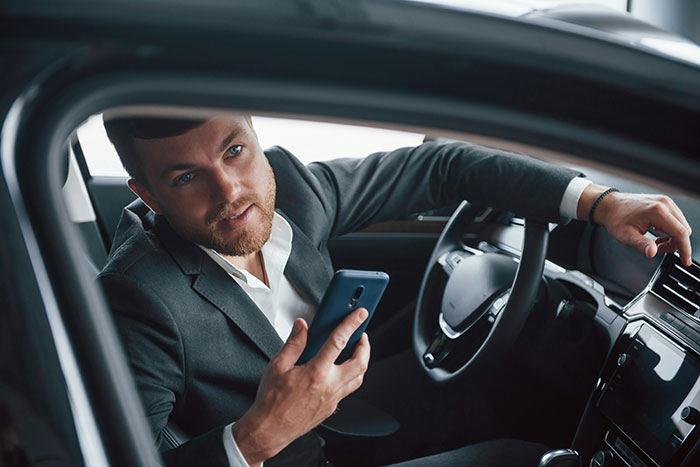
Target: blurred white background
{"x": 309, "y": 141}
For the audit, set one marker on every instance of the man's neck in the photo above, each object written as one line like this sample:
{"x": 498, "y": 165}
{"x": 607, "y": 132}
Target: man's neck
{"x": 253, "y": 263}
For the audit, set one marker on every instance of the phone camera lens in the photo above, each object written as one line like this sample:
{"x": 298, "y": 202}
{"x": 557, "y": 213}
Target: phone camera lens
{"x": 358, "y": 292}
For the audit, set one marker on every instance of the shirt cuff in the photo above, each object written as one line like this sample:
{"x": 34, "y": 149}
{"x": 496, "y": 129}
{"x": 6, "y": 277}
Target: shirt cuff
{"x": 569, "y": 202}
{"x": 234, "y": 455}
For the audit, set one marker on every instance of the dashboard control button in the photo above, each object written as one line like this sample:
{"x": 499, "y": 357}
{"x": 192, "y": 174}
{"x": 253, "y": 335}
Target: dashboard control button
{"x": 668, "y": 317}
{"x": 630, "y": 457}
{"x": 565, "y": 309}
{"x": 690, "y": 415}
{"x": 677, "y": 324}
{"x": 624, "y": 360}
{"x": 691, "y": 333}
{"x": 602, "y": 458}
{"x": 675, "y": 442}
{"x": 498, "y": 304}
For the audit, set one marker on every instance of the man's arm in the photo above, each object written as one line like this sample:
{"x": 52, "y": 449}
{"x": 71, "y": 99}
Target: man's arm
{"x": 154, "y": 347}
{"x": 409, "y": 180}
{"x": 384, "y": 186}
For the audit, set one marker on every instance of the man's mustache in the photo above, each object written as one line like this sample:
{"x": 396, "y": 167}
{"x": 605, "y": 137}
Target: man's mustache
{"x": 230, "y": 210}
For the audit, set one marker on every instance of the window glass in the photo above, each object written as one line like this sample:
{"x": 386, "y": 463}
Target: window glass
{"x": 309, "y": 141}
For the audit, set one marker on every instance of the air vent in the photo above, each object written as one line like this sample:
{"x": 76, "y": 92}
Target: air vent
{"x": 680, "y": 285}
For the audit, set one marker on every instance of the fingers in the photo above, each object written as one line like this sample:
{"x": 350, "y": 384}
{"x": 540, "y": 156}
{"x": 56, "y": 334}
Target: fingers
{"x": 666, "y": 245}
{"x": 362, "y": 349}
{"x": 676, "y": 211}
{"x": 338, "y": 339}
{"x": 667, "y": 223}
{"x": 356, "y": 367}
{"x": 293, "y": 348}
{"x": 358, "y": 363}
{"x": 352, "y": 386}
{"x": 648, "y": 247}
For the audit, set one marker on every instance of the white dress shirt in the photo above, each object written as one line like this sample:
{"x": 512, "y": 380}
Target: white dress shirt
{"x": 281, "y": 303}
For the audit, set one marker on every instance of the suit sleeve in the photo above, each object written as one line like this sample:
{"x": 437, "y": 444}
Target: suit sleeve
{"x": 156, "y": 355}
{"x": 385, "y": 185}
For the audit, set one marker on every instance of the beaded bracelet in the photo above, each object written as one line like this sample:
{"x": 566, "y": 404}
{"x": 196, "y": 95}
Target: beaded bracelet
{"x": 598, "y": 200}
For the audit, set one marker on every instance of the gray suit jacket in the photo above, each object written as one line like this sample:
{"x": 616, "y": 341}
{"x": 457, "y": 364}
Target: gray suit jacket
{"x": 198, "y": 345}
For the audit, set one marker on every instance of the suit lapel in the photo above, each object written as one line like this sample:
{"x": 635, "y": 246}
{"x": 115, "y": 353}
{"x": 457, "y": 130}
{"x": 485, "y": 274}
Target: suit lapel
{"x": 215, "y": 285}
{"x": 219, "y": 289}
{"x": 306, "y": 267}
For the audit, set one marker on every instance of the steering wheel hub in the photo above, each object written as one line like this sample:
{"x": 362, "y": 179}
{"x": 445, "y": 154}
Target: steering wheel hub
{"x": 472, "y": 287}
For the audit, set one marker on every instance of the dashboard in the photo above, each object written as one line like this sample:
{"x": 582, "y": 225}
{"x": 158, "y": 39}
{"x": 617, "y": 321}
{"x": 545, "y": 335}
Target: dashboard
{"x": 645, "y": 407}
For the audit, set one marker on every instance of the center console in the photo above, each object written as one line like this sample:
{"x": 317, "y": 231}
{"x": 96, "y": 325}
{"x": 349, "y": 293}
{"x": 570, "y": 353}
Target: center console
{"x": 646, "y": 406}
{"x": 651, "y": 398}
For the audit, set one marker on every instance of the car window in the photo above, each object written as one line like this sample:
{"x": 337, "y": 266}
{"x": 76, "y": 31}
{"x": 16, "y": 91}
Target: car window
{"x": 308, "y": 140}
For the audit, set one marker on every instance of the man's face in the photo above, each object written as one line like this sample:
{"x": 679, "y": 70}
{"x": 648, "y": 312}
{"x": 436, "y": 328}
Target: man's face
{"x": 213, "y": 184}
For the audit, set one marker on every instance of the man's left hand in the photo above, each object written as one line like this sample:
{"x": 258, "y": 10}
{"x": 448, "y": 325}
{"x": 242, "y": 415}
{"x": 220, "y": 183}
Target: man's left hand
{"x": 629, "y": 216}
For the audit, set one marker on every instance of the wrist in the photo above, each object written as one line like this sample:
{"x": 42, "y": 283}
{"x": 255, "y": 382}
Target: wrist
{"x": 601, "y": 206}
{"x": 252, "y": 444}
{"x": 594, "y": 203}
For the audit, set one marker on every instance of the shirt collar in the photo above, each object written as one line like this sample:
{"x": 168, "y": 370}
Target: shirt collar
{"x": 275, "y": 251}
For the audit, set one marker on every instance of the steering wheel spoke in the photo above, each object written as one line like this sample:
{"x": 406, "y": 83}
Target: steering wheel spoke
{"x": 448, "y": 266}
{"x": 450, "y": 260}
{"x": 437, "y": 351}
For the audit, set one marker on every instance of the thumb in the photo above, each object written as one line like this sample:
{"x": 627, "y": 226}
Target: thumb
{"x": 293, "y": 348}
{"x": 648, "y": 247}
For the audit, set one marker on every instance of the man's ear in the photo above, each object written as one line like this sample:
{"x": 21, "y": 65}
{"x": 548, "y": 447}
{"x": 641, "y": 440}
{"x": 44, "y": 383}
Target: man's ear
{"x": 145, "y": 195}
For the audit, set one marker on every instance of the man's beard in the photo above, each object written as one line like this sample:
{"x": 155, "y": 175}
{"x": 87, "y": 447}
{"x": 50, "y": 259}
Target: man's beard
{"x": 249, "y": 238}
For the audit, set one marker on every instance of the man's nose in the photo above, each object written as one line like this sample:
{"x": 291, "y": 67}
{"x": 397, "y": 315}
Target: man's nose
{"x": 226, "y": 186}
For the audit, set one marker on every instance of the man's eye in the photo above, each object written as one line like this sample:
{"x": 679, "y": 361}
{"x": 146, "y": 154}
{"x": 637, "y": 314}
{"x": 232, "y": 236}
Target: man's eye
{"x": 184, "y": 178}
{"x": 234, "y": 150}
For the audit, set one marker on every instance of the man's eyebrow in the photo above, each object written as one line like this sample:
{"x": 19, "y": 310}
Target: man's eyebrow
{"x": 225, "y": 142}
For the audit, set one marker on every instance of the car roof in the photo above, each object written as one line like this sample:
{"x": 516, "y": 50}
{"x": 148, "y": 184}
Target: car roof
{"x": 334, "y": 14}
{"x": 541, "y": 65}
{"x": 517, "y": 23}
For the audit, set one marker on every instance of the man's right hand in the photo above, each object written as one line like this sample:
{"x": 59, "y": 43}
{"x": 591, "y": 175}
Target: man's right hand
{"x": 292, "y": 400}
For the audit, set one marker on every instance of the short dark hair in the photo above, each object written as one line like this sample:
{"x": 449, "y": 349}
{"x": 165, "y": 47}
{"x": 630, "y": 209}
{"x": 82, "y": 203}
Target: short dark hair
{"x": 122, "y": 131}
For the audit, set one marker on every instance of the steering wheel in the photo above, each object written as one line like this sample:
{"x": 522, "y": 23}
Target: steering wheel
{"x": 473, "y": 305}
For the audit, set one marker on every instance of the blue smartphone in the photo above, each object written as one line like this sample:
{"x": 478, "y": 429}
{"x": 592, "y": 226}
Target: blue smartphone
{"x": 349, "y": 290}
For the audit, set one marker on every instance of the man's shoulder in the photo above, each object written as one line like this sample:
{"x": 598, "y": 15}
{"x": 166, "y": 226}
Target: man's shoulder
{"x": 282, "y": 159}
{"x": 135, "y": 243}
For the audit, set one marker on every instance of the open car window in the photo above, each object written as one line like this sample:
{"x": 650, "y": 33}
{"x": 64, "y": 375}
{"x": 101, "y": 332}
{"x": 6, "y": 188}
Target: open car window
{"x": 309, "y": 140}
{"x": 315, "y": 140}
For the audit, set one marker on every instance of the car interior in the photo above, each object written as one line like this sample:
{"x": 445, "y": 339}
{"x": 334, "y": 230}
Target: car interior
{"x": 553, "y": 383}
{"x": 571, "y": 340}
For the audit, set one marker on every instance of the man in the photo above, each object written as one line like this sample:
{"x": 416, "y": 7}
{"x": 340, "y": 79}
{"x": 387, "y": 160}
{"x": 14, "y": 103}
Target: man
{"x": 226, "y": 259}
